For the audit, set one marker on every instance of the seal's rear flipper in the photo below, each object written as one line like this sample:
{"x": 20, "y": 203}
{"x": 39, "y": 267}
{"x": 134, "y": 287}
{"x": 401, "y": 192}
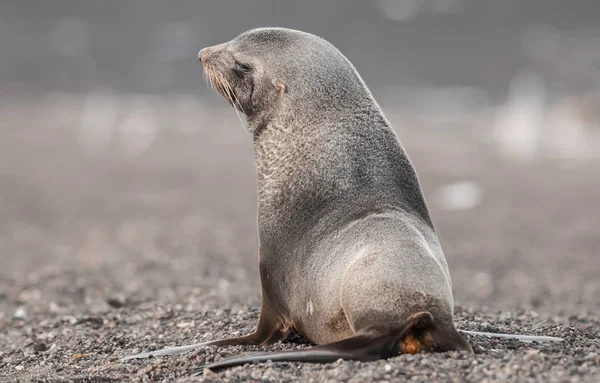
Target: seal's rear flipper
{"x": 360, "y": 347}
{"x": 419, "y": 333}
{"x": 522, "y": 338}
{"x": 311, "y": 355}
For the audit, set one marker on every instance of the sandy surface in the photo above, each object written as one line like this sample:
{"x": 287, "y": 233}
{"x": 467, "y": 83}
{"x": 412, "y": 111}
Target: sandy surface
{"x": 106, "y": 255}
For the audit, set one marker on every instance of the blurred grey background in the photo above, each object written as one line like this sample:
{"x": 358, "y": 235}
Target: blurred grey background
{"x": 121, "y": 172}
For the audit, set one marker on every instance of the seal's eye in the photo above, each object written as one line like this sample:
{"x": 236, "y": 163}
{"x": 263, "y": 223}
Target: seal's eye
{"x": 243, "y": 68}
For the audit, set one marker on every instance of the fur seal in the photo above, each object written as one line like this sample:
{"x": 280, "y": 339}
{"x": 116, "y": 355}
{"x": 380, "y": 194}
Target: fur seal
{"x": 349, "y": 255}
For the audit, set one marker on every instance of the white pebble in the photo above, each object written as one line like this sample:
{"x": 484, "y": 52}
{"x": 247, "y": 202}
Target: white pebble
{"x": 20, "y": 313}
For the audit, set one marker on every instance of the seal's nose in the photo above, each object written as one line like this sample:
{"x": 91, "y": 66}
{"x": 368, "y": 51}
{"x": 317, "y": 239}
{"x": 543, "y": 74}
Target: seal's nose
{"x": 201, "y": 54}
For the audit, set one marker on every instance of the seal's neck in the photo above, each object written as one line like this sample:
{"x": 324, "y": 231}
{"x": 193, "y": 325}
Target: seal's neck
{"x": 315, "y": 162}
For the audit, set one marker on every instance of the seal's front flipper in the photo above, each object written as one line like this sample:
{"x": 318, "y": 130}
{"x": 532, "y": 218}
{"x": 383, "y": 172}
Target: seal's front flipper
{"x": 522, "y": 338}
{"x": 257, "y": 338}
{"x": 263, "y": 335}
{"x": 168, "y": 351}
{"x": 268, "y": 331}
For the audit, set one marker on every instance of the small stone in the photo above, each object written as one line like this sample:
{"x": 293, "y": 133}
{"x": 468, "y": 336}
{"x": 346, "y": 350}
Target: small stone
{"x": 30, "y": 295}
{"x": 387, "y": 367}
{"x": 19, "y": 367}
{"x": 115, "y": 302}
{"x": 53, "y": 307}
{"x": 40, "y": 346}
{"x": 591, "y": 356}
{"x": 209, "y": 374}
{"x": 20, "y": 313}
{"x": 79, "y": 356}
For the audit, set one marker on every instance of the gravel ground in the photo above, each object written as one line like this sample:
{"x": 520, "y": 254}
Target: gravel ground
{"x": 106, "y": 255}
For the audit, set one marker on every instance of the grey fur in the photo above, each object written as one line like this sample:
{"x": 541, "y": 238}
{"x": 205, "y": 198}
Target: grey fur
{"x": 343, "y": 224}
{"x": 348, "y": 251}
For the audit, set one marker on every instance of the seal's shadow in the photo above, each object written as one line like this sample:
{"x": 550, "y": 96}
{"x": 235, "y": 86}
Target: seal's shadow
{"x": 298, "y": 339}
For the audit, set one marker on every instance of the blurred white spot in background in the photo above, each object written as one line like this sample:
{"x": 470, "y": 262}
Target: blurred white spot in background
{"x": 139, "y": 127}
{"x": 400, "y": 10}
{"x": 69, "y": 37}
{"x": 461, "y": 195}
{"x": 448, "y": 105}
{"x": 98, "y": 119}
{"x": 482, "y": 285}
{"x": 519, "y": 123}
{"x": 519, "y": 280}
{"x": 224, "y": 285}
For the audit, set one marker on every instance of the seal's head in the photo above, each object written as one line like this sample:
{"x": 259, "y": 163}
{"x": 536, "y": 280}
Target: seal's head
{"x": 268, "y": 69}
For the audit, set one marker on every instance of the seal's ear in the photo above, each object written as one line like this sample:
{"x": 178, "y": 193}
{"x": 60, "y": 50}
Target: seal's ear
{"x": 280, "y": 86}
